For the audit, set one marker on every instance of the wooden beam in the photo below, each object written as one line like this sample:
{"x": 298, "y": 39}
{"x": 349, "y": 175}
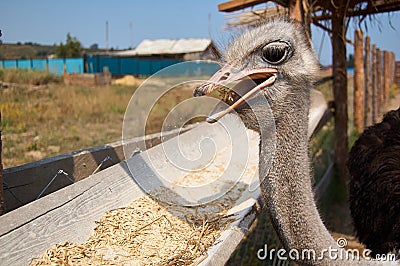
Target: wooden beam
{"x": 374, "y": 86}
{"x": 393, "y": 67}
{"x": 235, "y": 5}
{"x": 296, "y": 10}
{"x": 379, "y": 77}
{"x": 358, "y": 81}
{"x": 368, "y": 84}
{"x": 386, "y": 75}
{"x": 325, "y": 28}
{"x": 369, "y": 10}
{"x": 2, "y": 207}
{"x": 340, "y": 90}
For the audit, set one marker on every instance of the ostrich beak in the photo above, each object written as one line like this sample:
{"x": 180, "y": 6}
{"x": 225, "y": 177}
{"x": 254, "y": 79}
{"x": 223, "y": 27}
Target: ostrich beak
{"x": 242, "y": 92}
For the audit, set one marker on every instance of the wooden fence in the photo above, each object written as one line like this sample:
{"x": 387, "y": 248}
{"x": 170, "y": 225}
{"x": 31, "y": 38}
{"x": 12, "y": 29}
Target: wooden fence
{"x": 374, "y": 76}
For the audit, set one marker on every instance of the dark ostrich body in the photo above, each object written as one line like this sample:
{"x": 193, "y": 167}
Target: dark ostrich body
{"x": 374, "y": 166}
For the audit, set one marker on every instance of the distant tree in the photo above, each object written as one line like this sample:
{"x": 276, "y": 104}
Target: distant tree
{"x": 94, "y": 46}
{"x": 42, "y": 53}
{"x": 72, "y": 48}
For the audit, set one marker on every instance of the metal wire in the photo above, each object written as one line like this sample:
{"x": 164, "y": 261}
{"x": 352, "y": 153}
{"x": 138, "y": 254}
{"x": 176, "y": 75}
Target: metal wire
{"x": 107, "y": 158}
{"x": 51, "y": 181}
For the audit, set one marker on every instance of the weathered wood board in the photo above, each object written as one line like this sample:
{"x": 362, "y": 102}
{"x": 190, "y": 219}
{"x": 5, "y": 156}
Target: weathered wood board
{"x": 26, "y": 182}
{"x": 69, "y": 214}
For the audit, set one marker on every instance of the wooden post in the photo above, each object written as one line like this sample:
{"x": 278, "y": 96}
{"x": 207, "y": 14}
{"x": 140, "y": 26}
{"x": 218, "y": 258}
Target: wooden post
{"x": 393, "y": 68}
{"x": 391, "y": 65}
{"x": 374, "y": 85}
{"x": 368, "y": 84}
{"x": 358, "y": 81}
{"x": 295, "y": 10}
{"x": 64, "y": 66}
{"x": 340, "y": 88}
{"x": 300, "y": 11}
{"x": 386, "y": 75}
{"x": 2, "y": 207}
{"x": 379, "y": 84}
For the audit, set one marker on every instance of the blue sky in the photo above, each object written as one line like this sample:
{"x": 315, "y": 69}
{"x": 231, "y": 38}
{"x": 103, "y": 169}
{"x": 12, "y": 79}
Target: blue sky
{"x": 48, "y": 22}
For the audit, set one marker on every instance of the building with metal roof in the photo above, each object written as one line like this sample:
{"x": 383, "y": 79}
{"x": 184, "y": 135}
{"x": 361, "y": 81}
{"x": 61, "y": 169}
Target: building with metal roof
{"x": 186, "y": 49}
{"x": 151, "y": 56}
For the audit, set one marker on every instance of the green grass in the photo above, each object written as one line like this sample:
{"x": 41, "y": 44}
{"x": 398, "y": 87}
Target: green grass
{"x": 68, "y": 118}
{"x": 57, "y": 118}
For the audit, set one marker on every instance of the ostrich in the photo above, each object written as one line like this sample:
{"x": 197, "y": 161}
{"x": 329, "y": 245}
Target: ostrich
{"x": 374, "y": 166}
{"x": 279, "y": 59}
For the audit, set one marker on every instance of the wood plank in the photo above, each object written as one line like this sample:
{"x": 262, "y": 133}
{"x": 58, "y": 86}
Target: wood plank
{"x": 379, "y": 88}
{"x": 322, "y": 122}
{"x": 66, "y": 215}
{"x": 2, "y": 207}
{"x": 69, "y": 214}
{"x": 368, "y": 84}
{"x": 220, "y": 253}
{"x": 386, "y": 75}
{"x": 234, "y": 5}
{"x": 374, "y": 8}
{"x": 319, "y": 113}
{"x": 358, "y": 98}
{"x": 25, "y": 182}
{"x": 374, "y": 86}
{"x": 339, "y": 73}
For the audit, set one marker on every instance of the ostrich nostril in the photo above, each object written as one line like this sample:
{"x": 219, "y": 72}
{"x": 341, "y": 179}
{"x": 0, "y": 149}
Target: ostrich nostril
{"x": 198, "y": 91}
{"x": 225, "y": 76}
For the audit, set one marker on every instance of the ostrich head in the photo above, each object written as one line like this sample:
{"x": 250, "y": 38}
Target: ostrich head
{"x": 272, "y": 60}
{"x": 274, "y": 64}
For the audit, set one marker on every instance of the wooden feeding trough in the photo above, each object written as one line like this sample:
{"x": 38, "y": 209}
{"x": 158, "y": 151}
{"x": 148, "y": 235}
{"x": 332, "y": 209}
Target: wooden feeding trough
{"x": 109, "y": 217}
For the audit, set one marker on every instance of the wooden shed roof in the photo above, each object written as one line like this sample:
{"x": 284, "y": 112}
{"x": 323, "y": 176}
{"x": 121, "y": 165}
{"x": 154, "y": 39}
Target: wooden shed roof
{"x": 361, "y": 6}
{"x": 321, "y": 10}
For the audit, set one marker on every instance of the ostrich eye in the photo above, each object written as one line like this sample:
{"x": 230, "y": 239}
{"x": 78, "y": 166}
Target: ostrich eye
{"x": 276, "y": 52}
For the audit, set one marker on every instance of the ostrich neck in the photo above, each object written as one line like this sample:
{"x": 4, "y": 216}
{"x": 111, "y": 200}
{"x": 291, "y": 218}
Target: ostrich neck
{"x": 286, "y": 187}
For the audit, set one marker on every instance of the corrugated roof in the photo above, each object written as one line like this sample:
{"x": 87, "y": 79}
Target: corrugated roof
{"x": 168, "y": 46}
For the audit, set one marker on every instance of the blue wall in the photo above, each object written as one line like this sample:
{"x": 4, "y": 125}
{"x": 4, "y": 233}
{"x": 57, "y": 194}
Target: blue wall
{"x": 116, "y": 65}
{"x": 148, "y": 66}
{"x": 56, "y": 66}
{"x": 127, "y": 65}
